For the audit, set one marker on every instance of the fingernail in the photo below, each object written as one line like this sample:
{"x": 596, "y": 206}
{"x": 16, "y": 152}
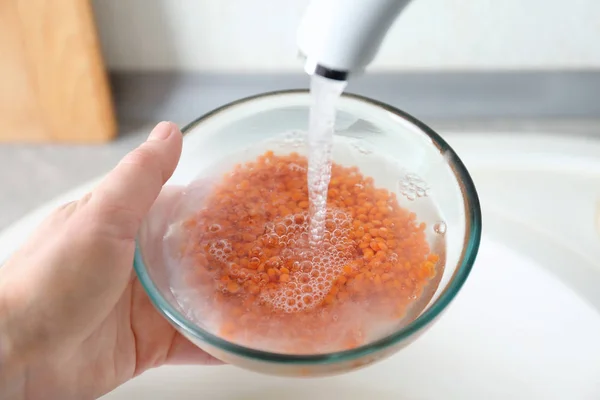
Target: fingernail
{"x": 162, "y": 131}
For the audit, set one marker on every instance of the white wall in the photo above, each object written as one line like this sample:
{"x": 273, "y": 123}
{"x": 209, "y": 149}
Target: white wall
{"x": 259, "y": 35}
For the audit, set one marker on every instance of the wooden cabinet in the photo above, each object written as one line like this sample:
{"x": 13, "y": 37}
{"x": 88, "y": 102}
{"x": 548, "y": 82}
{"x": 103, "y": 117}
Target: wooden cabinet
{"x": 53, "y": 85}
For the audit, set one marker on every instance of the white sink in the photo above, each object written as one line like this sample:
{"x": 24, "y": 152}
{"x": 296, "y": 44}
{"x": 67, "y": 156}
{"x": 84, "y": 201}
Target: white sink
{"x": 526, "y": 324}
{"x": 514, "y": 331}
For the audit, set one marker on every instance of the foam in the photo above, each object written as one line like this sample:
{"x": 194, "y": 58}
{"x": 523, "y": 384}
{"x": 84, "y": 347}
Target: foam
{"x": 220, "y": 249}
{"x": 318, "y": 266}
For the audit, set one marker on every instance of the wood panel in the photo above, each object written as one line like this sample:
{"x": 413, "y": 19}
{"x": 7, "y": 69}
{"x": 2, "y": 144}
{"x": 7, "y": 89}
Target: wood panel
{"x": 53, "y": 86}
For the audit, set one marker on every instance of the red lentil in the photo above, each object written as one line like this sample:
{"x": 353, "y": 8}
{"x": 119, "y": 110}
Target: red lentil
{"x": 241, "y": 265}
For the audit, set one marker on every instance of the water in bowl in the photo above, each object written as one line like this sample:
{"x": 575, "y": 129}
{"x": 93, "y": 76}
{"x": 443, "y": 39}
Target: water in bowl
{"x": 242, "y": 265}
{"x": 287, "y": 251}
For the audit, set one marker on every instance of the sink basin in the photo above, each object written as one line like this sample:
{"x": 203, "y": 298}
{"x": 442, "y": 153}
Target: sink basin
{"x": 533, "y": 294}
{"x": 534, "y": 337}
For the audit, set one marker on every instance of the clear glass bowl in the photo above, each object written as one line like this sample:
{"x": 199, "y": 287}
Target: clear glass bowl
{"x": 431, "y": 181}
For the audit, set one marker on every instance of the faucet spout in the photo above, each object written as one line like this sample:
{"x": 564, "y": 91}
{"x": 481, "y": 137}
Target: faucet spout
{"x": 340, "y": 38}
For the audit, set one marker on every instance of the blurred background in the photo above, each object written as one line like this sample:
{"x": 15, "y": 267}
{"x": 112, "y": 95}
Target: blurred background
{"x": 82, "y": 82}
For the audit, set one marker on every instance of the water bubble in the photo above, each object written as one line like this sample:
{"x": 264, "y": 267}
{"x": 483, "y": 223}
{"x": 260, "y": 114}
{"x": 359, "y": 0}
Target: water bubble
{"x": 306, "y": 266}
{"x": 214, "y": 228}
{"x": 440, "y": 228}
{"x": 294, "y": 138}
{"x": 359, "y": 145}
{"x": 297, "y": 168}
{"x": 412, "y": 186}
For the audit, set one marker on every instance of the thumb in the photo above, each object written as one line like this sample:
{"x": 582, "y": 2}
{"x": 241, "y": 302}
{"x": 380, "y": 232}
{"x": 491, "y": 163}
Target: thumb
{"x": 127, "y": 193}
{"x": 60, "y": 289}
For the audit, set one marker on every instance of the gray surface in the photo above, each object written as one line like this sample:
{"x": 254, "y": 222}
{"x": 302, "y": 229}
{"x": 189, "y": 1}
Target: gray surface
{"x": 429, "y": 96}
{"x": 33, "y": 174}
{"x": 553, "y": 102}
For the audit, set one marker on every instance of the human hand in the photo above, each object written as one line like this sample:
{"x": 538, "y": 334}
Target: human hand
{"x": 75, "y": 322}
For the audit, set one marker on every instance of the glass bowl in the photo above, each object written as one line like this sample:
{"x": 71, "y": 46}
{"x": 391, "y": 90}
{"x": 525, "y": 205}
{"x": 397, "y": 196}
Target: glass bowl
{"x": 427, "y": 176}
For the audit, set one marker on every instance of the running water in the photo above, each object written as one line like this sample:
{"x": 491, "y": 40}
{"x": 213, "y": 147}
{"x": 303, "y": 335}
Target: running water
{"x": 262, "y": 267}
{"x": 324, "y": 96}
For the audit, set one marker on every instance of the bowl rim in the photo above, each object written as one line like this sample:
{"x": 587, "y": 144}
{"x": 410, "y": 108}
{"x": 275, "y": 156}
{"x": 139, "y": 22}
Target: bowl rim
{"x": 470, "y": 248}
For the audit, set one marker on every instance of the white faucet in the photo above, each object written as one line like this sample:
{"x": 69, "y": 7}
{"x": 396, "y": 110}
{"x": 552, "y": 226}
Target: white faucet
{"x": 341, "y": 37}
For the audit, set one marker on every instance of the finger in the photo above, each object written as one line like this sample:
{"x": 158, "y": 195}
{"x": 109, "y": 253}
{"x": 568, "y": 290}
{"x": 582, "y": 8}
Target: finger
{"x": 128, "y": 192}
{"x": 185, "y": 352}
{"x": 161, "y": 212}
{"x": 156, "y": 224}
